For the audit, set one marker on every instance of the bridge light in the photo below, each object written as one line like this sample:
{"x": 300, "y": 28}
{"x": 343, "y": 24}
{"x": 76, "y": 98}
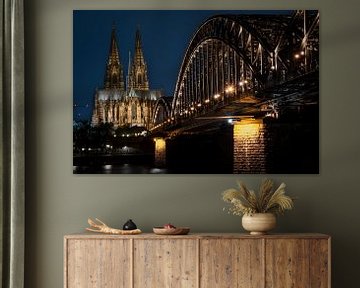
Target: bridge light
{"x": 199, "y": 104}
{"x": 272, "y": 67}
{"x": 216, "y": 96}
{"x": 302, "y": 53}
{"x": 207, "y": 101}
{"x": 192, "y": 108}
{"x": 246, "y": 81}
{"x": 297, "y": 56}
{"x": 229, "y": 89}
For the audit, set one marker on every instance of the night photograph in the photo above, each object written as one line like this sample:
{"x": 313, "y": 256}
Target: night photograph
{"x": 195, "y": 92}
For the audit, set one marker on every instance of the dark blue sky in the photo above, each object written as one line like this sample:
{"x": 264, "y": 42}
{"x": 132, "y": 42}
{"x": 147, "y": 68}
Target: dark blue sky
{"x": 165, "y": 36}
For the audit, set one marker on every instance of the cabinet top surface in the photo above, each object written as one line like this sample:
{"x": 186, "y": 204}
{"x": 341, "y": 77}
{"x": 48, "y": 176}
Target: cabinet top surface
{"x": 87, "y": 235}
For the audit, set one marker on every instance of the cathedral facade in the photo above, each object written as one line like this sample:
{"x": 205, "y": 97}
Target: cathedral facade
{"x": 125, "y": 105}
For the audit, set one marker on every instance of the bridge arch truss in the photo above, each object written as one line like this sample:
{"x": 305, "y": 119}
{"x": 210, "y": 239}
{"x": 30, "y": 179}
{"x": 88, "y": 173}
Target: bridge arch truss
{"x": 162, "y": 111}
{"x": 240, "y": 55}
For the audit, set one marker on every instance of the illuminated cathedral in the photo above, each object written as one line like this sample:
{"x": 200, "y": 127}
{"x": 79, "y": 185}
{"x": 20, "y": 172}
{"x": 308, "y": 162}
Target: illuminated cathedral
{"x": 130, "y": 105}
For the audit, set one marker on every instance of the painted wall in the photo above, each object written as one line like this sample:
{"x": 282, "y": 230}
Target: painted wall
{"x": 59, "y": 202}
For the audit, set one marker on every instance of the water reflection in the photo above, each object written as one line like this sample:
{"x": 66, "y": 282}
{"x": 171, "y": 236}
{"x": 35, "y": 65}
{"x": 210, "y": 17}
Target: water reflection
{"x": 118, "y": 169}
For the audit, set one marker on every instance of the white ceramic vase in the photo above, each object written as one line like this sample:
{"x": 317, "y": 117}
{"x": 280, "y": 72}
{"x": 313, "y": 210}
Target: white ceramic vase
{"x": 259, "y": 223}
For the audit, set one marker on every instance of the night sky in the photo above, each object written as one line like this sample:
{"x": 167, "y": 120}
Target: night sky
{"x": 165, "y": 37}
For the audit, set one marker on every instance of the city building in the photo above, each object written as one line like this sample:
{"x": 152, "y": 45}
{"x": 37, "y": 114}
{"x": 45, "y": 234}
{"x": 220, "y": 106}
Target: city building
{"x": 125, "y": 105}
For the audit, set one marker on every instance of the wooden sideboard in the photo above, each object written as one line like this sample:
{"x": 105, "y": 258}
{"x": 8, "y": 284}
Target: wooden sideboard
{"x": 197, "y": 260}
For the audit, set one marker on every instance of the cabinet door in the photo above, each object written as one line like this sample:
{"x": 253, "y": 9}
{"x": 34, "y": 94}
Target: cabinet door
{"x": 164, "y": 263}
{"x": 287, "y": 263}
{"x": 320, "y": 263}
{"x": 98, "y": 263}
{"x": 231, "y": 263}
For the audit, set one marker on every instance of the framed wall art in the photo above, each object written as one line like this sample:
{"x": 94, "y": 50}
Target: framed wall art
{"x": 195, "y": 91}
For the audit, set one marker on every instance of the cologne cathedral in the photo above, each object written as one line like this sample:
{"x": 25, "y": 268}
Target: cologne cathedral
{"x": 130, "y": 105}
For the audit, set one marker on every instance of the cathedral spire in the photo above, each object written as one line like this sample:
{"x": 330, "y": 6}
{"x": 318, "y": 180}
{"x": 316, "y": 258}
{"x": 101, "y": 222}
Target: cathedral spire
{"x": 128, "y": 84}
{"x": 114, "y": 77}
{"x": 138, "y": 40}
{"x": 138, "y": 77}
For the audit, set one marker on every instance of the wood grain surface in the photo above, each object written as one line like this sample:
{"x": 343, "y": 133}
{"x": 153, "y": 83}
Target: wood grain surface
{"x": 287, "y": 263}
{"x": 165, "y": 263}
{"x": 320, "y": 263}
{"x": 98, "y": 263}
{"x": 197, "y": 261}
{"x": 229, "y": 263}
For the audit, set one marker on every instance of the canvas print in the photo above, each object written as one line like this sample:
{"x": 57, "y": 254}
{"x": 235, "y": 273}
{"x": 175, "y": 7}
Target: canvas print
{"x": 195, "y": 92}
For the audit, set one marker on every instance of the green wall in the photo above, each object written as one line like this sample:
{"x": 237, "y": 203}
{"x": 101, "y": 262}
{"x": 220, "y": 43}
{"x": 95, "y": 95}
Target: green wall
{"x": 59, "y": 202}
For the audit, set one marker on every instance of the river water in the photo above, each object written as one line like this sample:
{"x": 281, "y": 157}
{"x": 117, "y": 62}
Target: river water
{"x": 241, "y": 148}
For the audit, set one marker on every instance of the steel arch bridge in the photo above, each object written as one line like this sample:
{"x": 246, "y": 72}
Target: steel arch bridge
{"x": 162, "y": 110}
{"x": 237, "y": 56}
